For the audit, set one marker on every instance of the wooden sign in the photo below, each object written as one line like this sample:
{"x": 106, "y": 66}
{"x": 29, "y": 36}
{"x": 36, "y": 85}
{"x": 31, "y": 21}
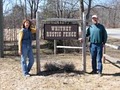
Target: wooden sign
{"x": 60, "y": 31}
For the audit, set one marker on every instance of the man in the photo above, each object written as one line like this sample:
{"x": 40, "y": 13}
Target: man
{"x": 97, "y": 37}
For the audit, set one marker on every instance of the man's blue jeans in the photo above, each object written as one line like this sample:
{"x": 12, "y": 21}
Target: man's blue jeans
{"x": 26, "y": 52}
{"x": 96, "y": 55}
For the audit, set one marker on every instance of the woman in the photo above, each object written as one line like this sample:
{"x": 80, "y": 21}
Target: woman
{"x": 25, "y": 46}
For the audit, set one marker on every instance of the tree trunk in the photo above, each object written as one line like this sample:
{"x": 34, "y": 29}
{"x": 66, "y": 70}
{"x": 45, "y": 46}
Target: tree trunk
{"x": 88, "y": 12}
{"x": 1, "y": 29}
{"x": 25, "y": 11}
{"x": 81, "y": 11}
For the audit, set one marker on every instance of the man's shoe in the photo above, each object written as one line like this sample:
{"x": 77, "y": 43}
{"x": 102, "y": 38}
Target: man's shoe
{"x": 92, "y": 72}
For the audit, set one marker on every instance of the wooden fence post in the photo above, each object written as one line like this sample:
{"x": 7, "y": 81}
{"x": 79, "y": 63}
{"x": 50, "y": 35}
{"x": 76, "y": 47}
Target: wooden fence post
{"x": 104, "y": 51}
{"x": 55, "y": 42}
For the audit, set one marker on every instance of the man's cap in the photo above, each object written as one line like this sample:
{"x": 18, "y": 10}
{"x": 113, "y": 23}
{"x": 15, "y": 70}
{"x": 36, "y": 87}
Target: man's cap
{"x": 94, "y": 16}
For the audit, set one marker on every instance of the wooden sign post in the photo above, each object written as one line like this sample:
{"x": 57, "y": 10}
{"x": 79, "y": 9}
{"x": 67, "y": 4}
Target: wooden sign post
{"x": 37, "y": 43}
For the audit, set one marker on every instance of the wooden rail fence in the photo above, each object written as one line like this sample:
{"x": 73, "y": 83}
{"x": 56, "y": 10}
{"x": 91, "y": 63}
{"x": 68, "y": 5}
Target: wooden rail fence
{"x": 112, "y": 60}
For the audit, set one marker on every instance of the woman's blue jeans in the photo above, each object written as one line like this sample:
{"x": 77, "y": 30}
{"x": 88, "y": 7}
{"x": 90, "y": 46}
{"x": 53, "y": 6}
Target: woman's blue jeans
{"x": 96, "y": 51}
{"x": 27, "y": 52}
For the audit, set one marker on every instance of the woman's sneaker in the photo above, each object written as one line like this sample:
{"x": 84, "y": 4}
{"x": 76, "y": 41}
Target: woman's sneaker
{"x": 99, "y": 74}
{"x": 27, "y": 75}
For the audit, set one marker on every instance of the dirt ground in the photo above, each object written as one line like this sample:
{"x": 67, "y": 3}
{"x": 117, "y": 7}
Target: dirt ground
{"x": 11, "y": 77}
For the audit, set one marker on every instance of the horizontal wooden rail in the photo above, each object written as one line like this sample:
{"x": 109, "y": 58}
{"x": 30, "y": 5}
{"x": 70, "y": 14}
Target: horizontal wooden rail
{"x": 112, "y": 59}
{"x": 113, "y": 46}
{"x": 69, "y": 47}
{"x": 62, "y": 19}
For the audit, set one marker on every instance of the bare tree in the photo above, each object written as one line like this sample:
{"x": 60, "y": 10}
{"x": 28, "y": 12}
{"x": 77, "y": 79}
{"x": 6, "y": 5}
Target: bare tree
{"x": 33, "y": 7}
{"x": 14, "y": 19}
{"x": 88, "y": 10}
{"x": 22, "y": 8}
{"x": 62, "y": 8}
{"x": 109, "y": 13}
{"x": 7, "y": 6}
{"x": 82, "y": 10}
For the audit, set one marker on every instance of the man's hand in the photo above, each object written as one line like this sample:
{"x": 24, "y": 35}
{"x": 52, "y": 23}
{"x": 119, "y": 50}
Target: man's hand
{"x": 103, "y": 45}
